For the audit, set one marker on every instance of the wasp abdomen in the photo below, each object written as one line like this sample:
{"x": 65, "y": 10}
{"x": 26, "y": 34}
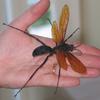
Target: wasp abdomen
{"x": 41, "y": 50}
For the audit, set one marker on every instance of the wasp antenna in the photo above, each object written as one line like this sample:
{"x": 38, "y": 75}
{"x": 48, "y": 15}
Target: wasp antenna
{"x": 25, "y": 33}
{"x": 31, "y": 76}
{"x": 49, "y": 21}
{"x": 72, "y": 33}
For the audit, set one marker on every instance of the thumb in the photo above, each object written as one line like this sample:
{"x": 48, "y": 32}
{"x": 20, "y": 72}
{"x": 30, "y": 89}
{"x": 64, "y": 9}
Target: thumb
{"x": 31, "y": 15}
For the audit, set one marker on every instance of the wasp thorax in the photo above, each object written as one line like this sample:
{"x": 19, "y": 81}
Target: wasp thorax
{"x": 65, "y": 47}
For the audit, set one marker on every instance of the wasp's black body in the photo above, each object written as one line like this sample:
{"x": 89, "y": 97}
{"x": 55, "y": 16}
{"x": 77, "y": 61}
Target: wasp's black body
{"x": 44, "y": 49}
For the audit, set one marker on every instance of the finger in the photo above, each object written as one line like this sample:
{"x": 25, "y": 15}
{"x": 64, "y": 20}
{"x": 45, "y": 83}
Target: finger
{"x": 89, "y": 50}
{"x": 51, "y": 80}
{"x": 91, "y": 72}
{"x": 64, "y": 81}
{"x": 90, "y": 60}
{"x": 31, "y": 15}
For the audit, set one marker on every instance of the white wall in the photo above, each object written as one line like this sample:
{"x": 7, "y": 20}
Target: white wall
{"x": 91, "y": 22}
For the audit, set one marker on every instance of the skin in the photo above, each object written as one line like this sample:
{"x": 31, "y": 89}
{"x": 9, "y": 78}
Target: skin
{"x": 17, "y": 63}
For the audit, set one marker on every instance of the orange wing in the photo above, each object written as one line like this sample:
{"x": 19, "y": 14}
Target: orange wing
{"x": 55, "y": 33}
{"x": 76, "y": 64}
{"x": 61, "y": 60}
{"x": 59, "y": 33}
{"x": 64, "y": 19}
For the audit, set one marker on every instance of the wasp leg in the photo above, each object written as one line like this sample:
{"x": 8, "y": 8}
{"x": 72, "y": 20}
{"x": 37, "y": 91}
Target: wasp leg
{"x": 33, "y": 74}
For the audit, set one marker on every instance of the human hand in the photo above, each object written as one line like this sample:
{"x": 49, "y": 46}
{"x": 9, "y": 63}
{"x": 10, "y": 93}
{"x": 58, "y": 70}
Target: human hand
{"x": 17, "y": 63}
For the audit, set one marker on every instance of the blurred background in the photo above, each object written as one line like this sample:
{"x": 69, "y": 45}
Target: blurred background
{"x": 84, "y": 14}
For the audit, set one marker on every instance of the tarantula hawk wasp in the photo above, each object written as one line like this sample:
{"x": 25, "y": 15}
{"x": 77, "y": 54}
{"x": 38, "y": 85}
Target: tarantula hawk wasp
{"x": 62, "y": 50}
